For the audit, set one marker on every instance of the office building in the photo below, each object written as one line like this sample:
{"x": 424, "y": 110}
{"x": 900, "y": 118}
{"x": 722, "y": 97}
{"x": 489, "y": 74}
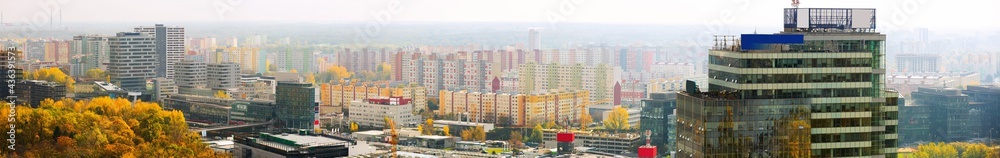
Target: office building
{"x": 656, "y": 111}
{"x": 223, "y": 76}
{"x": 814, "y": 90}
{"x": 987, "y": 100}
{"x": 33, "y": 92}
{"x": 947, "y": 114}
{"x": 244, "y": 111}
{"x": 191, "y": 74}
{"x": 296, "y": 104}
{"x": 373, "y": 111}
{"x": 289, "y": 146}
{"x": 163, "y": 88}
{"x": 169, "y": 47}
{"x": 201, "y": 109}
{"x": 132, "y": 60}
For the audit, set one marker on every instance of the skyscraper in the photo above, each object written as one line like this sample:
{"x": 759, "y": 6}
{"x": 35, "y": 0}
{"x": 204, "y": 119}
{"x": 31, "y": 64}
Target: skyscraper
{"x": 814, "y": 90}
{"x": 169, "y": 47}
{"x": 132, "y": 60}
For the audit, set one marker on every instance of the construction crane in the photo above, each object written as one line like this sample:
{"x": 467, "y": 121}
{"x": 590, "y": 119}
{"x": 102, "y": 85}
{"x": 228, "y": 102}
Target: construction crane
{"x": 393, "y": 138}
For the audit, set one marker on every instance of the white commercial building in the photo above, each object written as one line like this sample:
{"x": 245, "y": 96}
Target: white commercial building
{"x": 372, "y": 112}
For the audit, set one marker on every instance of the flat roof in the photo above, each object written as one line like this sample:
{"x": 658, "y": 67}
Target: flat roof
{"x": 300, "y": 140}
{"x": 433, "y": 137}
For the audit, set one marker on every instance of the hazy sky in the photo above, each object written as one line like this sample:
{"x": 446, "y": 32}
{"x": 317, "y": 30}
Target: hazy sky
{"x": 933, "y": 14}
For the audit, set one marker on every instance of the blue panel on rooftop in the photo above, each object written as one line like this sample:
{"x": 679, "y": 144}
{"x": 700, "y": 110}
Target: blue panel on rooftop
{"x": 758, "y": 41}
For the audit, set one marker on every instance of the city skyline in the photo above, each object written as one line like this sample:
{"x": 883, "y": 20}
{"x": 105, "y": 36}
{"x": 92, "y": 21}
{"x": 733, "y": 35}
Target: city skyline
{"x": 901, "y": 14}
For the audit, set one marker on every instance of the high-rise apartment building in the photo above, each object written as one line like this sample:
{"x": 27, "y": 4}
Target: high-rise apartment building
{"x": 296, "y": 104}
{"x": 814, "y": 90}
{"x": 57, "y": 51}
{"x": 917, "y": 63}
{"x": 169, "y": 47}
{"x": 298, "y": 58}
{"x": 93, "y": 51}
{"x": 132, "y": 60}
{"x": 247, "y": 58}
{"x": 448, "y": 73}
{"x": 599, "y": 80}
{"x": 515, "y": 109}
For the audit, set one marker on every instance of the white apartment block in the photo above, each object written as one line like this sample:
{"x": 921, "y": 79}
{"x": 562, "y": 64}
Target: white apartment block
{"x": 223, "y": 76}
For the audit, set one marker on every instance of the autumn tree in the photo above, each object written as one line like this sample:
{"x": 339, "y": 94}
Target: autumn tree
{"x": 310, "y": 78}
{"x": 96, "y": 74}
{"x": 52, "y": 74}
{"x": 585, "y": 121}
{"x": 617, "y": 120}
{"x": 384, "y": 71}
{"x": 103, "y": 127}
{"x": 446, "y": 130}
{"x": 515, "y": 139}
{"x": 550, "y": 125}
{"x": 474, "y": 134}
{"x": 536, "y": 134}
{"x": 428, "y": 127}
{"x": 934, "y": 150}
{"x": 333, "y": 73}
{"x": 221, "y": 94}
{"x": 354, "y": 127}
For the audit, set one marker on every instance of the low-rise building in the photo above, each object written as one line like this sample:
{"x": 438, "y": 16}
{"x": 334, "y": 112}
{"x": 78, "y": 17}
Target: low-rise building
{"x": 34, "y": 91}
{"x": 372, "y": 112}
{"x": 601, "y": 142}
{"x": 289, "y": 146}
{"x": 341, "y": 95}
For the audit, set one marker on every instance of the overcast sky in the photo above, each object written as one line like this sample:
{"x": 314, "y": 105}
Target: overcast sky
{"x": 933, "y": 14}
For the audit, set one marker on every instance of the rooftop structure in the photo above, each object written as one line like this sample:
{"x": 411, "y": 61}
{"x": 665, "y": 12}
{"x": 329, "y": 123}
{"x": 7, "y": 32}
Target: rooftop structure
{"x": 290, "y": 145}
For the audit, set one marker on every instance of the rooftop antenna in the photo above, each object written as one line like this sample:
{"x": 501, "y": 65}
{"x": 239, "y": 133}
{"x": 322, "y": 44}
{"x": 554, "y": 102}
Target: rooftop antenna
{"x": 795, "y": 3}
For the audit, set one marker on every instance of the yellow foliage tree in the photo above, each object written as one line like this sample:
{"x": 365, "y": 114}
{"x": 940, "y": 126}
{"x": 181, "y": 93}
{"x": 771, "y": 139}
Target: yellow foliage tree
{"x": 617, "y": 120}
{"x": 52, "y": 74}
{"x": 585, "y": 121}
{"x": 96, "y": 74}
{"x": 311, "y": 78}
{"x": 354, "y": 127}
{"x": 221, "y": 94}
{"x": 474, "y": 134}
{"x": 102, "y": 127}
{"x": 428, "y": 127}
{"x": 333, "y": 73}
{"x": 446, "y": 130}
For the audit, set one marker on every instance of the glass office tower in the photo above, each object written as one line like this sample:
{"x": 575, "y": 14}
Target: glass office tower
{"x": 815, "y": 89}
